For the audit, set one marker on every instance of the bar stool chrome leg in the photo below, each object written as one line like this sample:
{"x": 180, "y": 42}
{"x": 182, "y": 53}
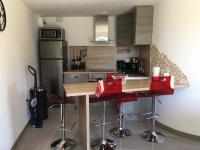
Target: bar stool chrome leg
{"x": 63, "y": 142}
{"x": 120, "y": 131}
{"x": 103, "y": 143}
{"x": 153, "y": 135}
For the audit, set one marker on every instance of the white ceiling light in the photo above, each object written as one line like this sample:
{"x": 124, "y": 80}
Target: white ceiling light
{"x": 104, "y": 13}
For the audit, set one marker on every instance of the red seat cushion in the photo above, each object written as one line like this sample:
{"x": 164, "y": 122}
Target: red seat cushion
{"x": 125, "y": 97}
{"x": 143, "y": 94}
{"x": 111, "y": 89}
{"x": 108, "y": 87}
{"x": 111, "y": 97}
{"x": 159, "y": 86}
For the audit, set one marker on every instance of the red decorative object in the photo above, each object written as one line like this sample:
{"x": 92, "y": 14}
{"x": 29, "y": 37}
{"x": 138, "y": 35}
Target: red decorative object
{"x": 120, "y": 131}
{"x": 161, "y": 86}
{"x": 109, "y": 76}
{"x": 123, "y": 97}
{"x": 108, "y": 87}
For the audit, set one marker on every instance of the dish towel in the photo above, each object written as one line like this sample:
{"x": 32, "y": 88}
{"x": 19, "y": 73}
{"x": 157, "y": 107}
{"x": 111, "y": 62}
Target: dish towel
{"x": 100, "y": 88}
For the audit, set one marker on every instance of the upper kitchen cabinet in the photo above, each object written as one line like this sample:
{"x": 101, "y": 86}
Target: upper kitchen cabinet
{"x": 143, "y": 25}
{"x": 124, "y": 29}
{"x": 135, "y": 28}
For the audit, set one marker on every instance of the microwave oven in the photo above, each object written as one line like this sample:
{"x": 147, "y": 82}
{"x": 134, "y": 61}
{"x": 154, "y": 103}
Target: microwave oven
{"x": 52, "y": 34}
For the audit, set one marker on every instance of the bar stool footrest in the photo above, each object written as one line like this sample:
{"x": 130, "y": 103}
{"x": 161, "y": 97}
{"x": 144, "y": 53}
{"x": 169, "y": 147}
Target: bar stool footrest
{"x": 61, "y": 144}
{"x": 120, "y": 133}
{"x": 153, "y": 136}
{"x": 135, "y": 117}
{"x": 103, "y": 124}
{"x": 98, "y": 143}
{"x": 149, "y": 113}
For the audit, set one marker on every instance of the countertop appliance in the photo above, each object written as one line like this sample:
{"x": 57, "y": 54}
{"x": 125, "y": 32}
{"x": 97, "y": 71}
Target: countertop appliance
{"x": 52, "y": 33}
{"x": 53, "y": 62}
{"x": 132, "y": 66}
{"x": 121, "y": 65}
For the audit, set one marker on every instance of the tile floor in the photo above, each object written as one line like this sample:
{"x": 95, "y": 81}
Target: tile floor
{"x": 41, "y": 138}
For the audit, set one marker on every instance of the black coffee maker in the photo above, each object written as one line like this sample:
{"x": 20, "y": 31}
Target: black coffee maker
{"x": 121, "y": 66}
{"x": 134, "y": 65}
{"x": 129, "y": 67}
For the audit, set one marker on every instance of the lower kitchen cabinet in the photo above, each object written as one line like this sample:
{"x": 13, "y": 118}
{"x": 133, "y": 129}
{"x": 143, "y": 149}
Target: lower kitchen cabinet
{"x": 75, "y": 77}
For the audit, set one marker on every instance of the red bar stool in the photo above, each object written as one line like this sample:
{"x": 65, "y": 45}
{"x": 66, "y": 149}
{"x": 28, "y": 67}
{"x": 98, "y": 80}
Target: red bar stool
{"x": 63, "y": 142}
{"x": 107, "y": 89}
{"x": 159, "y": 86}
{"x": 120, "y": 131}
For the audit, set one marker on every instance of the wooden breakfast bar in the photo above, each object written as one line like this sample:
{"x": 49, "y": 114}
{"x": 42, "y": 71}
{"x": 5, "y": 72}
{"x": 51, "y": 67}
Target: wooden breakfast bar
{"x": 84, "y": 90}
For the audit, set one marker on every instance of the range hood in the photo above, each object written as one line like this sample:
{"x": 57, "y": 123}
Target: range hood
{"x": 101, "y": 29}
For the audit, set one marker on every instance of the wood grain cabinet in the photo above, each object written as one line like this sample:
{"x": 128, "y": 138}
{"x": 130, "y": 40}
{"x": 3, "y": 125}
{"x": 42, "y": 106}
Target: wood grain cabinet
{"x": 124, "y": 29}
{"x": 135, "y": 28}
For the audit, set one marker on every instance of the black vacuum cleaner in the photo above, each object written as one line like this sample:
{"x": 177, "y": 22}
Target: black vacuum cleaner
{"x": 37, "y": 103}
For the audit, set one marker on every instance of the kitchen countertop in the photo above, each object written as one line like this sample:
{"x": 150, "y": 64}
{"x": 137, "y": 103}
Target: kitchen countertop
{"x": 127, "y": 77}
{"x": 89, "y": 88}
{"x": 91, "y": 71}
{"x": 79, "y": 89}
{"x": 87, "y": 71}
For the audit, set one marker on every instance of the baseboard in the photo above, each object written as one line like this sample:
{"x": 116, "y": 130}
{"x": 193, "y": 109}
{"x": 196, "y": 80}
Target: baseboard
{"x": 17, "y": 140}
{"x": 179, "y": 133}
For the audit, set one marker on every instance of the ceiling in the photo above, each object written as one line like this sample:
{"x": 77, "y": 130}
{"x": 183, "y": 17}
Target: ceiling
{"x": 59, "y": 8}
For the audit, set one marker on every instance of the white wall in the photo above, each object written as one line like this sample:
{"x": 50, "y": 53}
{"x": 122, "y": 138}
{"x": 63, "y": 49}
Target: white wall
{"x": 79, "y": 30}
{"x": 177, "y": 32}
{"x": 18, "y": 48}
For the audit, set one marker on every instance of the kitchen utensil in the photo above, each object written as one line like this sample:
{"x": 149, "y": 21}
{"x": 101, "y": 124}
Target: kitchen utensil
{"x": 74, "y": 66}
{"x": 84, "y": 52}
{"x": 73, "y": 59}
{"x": 121, "y": 65}
{"x": 77, "y": 58}
{"x": 82, "y": 65}
{"x": 81, "y": 52}
{"x": 79, "y": 55}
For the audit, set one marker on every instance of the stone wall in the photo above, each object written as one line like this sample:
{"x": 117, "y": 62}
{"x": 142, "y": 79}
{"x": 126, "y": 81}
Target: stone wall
{"x": 157, "y": 58}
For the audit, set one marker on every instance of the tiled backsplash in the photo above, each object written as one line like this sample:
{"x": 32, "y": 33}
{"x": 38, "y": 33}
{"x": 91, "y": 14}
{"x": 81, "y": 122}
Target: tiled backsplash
{"x": 103, "y": 57}
{"x": 160, "y": 59}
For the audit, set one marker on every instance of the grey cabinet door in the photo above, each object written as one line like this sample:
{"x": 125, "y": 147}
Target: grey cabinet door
{"x": 75, "y": 78}
{"x": 135, "y": 28}
{"x": 51, "y": 49}
{"x": 52, "y": 76}
{"x": 124, "y": 29}
{"x": 143, "y": 25}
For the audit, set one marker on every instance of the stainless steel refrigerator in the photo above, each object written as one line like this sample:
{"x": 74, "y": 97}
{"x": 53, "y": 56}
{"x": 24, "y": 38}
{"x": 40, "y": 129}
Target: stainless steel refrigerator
{"x": 53, "y": 62}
